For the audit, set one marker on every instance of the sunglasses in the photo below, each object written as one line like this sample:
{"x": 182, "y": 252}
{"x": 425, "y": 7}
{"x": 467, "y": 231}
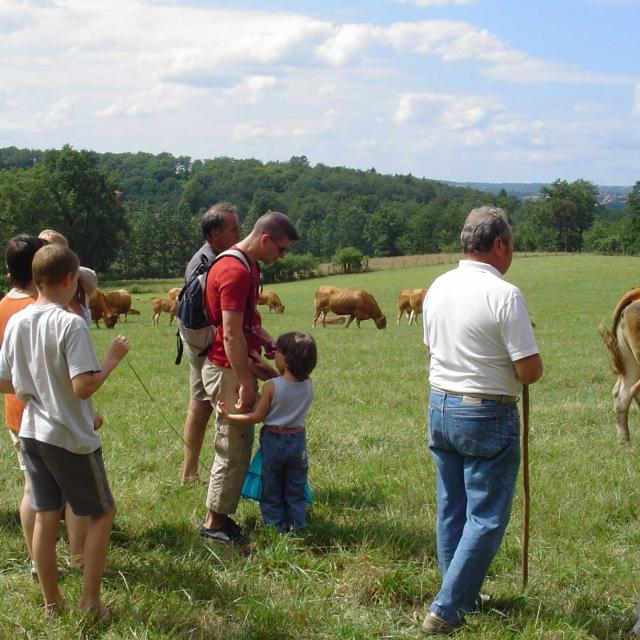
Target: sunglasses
{"x": 281, "y": 250}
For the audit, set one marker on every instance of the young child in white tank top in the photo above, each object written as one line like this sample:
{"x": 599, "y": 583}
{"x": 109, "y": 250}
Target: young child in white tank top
{"x": 283, "y": 407}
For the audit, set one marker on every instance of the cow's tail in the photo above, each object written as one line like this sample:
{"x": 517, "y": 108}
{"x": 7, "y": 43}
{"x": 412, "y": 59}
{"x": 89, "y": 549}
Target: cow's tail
{"x": 611, "y": 341}
{"x": 631, "y": 296}
{"x": 610, "y": 337}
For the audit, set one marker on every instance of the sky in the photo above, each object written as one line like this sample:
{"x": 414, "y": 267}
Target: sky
{"x": 461, "y": 90}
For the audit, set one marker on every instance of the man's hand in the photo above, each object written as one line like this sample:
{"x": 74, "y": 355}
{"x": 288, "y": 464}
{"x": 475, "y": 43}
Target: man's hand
{"x": 246, "y": 398}
{"x": 261, "y": 369}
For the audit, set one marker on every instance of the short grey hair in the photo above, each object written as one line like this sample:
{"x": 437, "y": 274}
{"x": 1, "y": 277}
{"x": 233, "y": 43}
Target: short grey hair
{"x": 213, "y": 217}
{"x": 482, "y": 226}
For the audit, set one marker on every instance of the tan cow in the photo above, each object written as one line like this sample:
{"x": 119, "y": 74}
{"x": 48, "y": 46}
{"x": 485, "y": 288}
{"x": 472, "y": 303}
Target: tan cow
{"x": 270, "y": 298}
{"x": 410, "y": 304}
{"x": 161, "y": 304}
{"x": 355, "y": 303}
{"x": 623, "y": 342}
{"x": 173, "y": 293}
{"x": 120, "y": 302}
{"x": 101, "y": 310}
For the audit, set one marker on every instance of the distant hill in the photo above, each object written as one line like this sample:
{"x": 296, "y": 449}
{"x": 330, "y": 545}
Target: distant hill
{"x": 611, "y": 197}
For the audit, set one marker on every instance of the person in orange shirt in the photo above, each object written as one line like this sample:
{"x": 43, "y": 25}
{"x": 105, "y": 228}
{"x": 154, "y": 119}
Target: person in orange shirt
{"x": 18, "y": 256}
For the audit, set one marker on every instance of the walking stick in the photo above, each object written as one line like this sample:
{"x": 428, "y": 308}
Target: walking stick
{"x": 524, "y": 559}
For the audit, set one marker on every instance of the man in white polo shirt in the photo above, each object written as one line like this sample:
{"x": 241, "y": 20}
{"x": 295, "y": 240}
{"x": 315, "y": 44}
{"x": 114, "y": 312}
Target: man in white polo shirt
{"x": 478, "y": 335}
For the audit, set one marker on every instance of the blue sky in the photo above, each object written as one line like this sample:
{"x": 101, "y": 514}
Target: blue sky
{"x": 467, "y": 90}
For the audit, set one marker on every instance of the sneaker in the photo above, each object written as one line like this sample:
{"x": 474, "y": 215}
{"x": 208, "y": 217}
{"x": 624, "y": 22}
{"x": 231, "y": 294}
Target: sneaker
{"x": 226, "y": 535}
{"x": 232, "y": 524}
{"x": 435, "y": 625}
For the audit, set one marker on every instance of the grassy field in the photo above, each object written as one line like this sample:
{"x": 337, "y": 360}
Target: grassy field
{"x": 365, "y": 567}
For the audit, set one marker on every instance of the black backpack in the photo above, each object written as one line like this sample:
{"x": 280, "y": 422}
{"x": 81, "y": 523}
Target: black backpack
{"x": 194, "y": 325}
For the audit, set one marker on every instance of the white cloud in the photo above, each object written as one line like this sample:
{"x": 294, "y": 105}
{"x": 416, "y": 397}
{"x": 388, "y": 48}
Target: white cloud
{"x": 251, "y": 131}
{"x": 251, "y": 89}
{"x": 204, "y": 80}
{"x": 445, "y": 111}
{"x": 156, "y": 99}
{"x": 454, "y": 41}
{"x": 58, "y": 112}
{"x": 346, "y": 40}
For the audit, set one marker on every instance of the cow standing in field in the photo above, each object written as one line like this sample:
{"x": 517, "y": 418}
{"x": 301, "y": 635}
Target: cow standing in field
{"x": 410, "y": 303}
{"x": 120, "y": 302}
{"x": 271, "y": 299}
{"x": 101, "y": 309}
{"x": 623, "y": 342}
{"x": 355, "y": 303}
{"x": 161, "y": 304}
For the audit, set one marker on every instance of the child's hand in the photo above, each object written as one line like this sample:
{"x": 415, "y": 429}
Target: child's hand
{"x": 97, "y": 421}
{"x": 118, "y": 349}
{"x": 220, "y": 408}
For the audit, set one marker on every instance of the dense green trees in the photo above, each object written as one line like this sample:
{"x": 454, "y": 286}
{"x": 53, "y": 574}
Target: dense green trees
{"x": 66, "y": 191}
{"x": 137, "y": 214}
{"x": 559, "y": 219}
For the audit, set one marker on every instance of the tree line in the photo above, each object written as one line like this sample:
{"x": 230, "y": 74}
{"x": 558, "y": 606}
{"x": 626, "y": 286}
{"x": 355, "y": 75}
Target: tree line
{"x": 136, "y": 215}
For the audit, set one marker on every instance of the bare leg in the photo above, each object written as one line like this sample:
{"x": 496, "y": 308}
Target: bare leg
{"x": 77, "y": 527}
{"x": 45, "y": 535}
{"x": 95, "y": 557}
{"x": 193, "y": 433}
{"x": 27, "y": 516}
{"x": 214, "y": 520}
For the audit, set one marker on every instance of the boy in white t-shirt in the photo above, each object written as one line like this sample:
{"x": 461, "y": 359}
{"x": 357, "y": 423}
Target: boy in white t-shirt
{"x": 47, "y": 359}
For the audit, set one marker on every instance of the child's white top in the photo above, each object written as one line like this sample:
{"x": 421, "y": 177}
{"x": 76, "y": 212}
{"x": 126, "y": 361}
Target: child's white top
{"x": 290, "y": 403}
{"x": 44, "y": 347}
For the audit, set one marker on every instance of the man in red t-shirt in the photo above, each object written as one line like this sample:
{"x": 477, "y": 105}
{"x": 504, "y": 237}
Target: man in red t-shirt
{"x": 228, "y": 374}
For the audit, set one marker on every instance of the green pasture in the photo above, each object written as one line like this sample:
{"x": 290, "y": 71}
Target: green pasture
{"x": 366, "y": 566}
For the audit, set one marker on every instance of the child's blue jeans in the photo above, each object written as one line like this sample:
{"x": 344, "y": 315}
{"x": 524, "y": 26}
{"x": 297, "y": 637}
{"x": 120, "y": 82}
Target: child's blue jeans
{"x": 284, "y": 473}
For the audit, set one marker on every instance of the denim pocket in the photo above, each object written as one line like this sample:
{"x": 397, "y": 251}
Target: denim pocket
{"x": 478, "y": 432}
{"x": 434, "y": 426}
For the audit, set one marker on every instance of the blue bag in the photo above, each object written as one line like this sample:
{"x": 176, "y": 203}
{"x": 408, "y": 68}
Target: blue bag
{"x": 252, "y": 487}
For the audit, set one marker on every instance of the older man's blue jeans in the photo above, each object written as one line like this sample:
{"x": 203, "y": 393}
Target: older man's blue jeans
{"x": 475, "y": 445}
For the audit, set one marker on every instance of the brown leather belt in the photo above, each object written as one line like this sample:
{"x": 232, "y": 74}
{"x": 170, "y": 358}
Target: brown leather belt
{"x": 283, "y": 431}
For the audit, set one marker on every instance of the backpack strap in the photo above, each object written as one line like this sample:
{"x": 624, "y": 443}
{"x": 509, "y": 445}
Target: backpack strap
{"x": 236, "y": 253}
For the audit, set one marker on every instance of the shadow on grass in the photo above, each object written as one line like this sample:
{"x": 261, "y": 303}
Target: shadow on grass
{"x": 353, "y": 516}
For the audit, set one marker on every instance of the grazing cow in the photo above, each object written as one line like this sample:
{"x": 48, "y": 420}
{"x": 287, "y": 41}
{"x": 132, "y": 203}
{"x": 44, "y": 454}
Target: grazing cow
{"x": 173, "y": 293}
{"x": 332, "y": 320}
{"x": 357, "y": 304}
{"x": 410, "y": 304}
{"x": 270, "y": 298}
{"x": 101, "y": 310}
{"x": 120, "y": 302}
{"x": 623, "y": 342}
{"x": 159, "y": 305}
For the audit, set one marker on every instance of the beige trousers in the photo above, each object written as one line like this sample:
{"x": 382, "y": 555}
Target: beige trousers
{"x": 233, "y": 443}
